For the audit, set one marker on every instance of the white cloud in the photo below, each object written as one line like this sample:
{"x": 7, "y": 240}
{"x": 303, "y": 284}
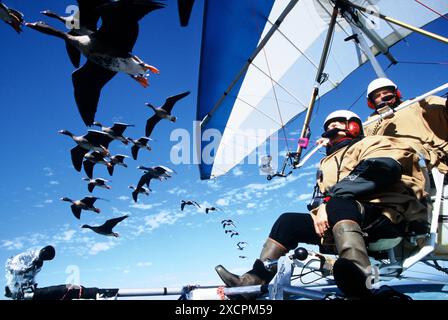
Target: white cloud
{"x": 291, "y": 194}
{"x": 304, "y": 174}
{"x": 272, "y": 185}
{"x": 54, "y": 182}
{"x": 251, "y": 205}
{"x": 163, "y": 217}
{"x": 123, "y": 198}
{"x": 117, "y": 211}
{"x": 305, "y": 196}
{"x": 66, "y": 235}
{"x": 48, "y": 201}
{"x": 241, "y": 212}
{"x": 177, "y": 191}
{"x": 48, "y": 172}
{"x": 237, "y": 171}
{"x": 214, "y": 184}
{"x": 141, "y": 206}
{"x": 223, "y": 202}
{"x": 100, "y": 246}
{"x": 144, "y": 264}
{"x": 12, "y": 245}
{"x": 28, "y": 188}
{"x": 312, "y": 166}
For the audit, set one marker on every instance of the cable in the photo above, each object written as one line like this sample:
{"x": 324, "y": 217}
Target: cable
{"x": 424, "y": 62}
{"x": 430, "y": 9}
{"x": 276, "y": 100}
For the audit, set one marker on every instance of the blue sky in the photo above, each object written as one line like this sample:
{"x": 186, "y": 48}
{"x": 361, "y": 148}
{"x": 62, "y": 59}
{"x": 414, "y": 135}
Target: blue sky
{"x": 159, "y": 244}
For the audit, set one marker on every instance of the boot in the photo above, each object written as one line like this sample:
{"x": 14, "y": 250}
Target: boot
{"x": 259, "y": 275}
{"x": 352, "y": 270}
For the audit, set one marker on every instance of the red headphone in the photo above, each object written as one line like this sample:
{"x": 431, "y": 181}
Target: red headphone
{"x": 371, "y": 104}
{"x": 354, "y": 128}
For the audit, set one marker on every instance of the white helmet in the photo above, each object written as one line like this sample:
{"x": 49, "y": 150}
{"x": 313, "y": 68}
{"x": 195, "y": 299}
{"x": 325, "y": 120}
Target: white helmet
{"x": 380, "y": 83}
{"x": 341, "y": 114}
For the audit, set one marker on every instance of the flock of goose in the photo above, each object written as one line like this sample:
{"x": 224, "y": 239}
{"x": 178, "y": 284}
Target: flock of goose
{"x": 108, "y": 50}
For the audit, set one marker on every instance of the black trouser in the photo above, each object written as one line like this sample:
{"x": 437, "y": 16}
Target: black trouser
{"x": 292, "y": 228}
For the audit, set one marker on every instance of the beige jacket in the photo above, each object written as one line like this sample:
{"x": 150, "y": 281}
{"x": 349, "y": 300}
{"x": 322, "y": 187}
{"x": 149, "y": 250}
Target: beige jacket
{"x": 401, "y": 200}
{"x": 424, "y": 125}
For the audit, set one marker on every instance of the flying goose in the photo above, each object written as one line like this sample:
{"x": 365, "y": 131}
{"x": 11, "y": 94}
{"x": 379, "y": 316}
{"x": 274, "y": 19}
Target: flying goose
{"x": 106, "y": 228}
{"x": 80, "y": 24}
{"x": 241, "y": 245}
{"x": 207, "y": 210}
{"x": 116, "y": 131}
{"x": 12, "y": 17}
{"x": 188, "y": 203}
{"x": 97, "y": 182}
{"x": 93, "y": 158}
{"x": 107, "y": 50}
{"x": 83, "y": 204}
{"x": 143, "y": 190}
{"x": 141, "y": 143}
{"x": 158, "y": 172}
{"x": 116, "y": 160}
{"x": 232, "y": 233}
{"x": 164, "y": 112}
{"x": 227, "y": 222}
{"x": 92, "y": 141}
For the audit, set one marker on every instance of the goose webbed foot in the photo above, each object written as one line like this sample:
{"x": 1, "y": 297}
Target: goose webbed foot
{"x": 153, "y": 69}
{"x": 142, "y": 80}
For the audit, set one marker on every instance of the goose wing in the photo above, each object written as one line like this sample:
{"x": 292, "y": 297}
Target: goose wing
{"x": 134, "y": 150}
{"x": 119, "y": 26}
{"x": 171, "y": 101}
{"x": 88, "y": 168}
{"x": 88, "y": 82}
{"x": 89, "y": 14}
{"x": 98, "y": 138}
{"x": 150, "y": 124}
{"x": 90, "y": 187}
{"x": 145, "y": 179}
{"x": 111, "y": 223}
{"x": 135, "y": 195}
{"x": 111, "y": 169}
{"x": 184, "y": 7}
{"x": 77, "y": 154}
{"x": 89, "y": 201}
{"x": 76, "y": 211}
{"x": 118, "y": 128}
{"x": 73, "y": 54}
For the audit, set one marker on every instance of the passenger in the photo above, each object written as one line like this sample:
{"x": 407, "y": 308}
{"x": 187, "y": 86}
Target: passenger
{"x": 369, "y": 185}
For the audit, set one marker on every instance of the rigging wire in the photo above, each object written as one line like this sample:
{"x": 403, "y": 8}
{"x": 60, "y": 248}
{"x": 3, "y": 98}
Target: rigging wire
{"x": 301, "y": 52}
{"x": 278, "y": 84}
{"x": 431, "y": 9}
{"x": 363, "y": 94}
{"x": 276, "y": 100}
{"x": 424, "y": 62}
{"x": 260, "y": 111}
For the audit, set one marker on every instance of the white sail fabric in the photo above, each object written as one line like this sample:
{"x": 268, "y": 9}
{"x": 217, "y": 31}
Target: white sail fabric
{"x": 279, "y": 82}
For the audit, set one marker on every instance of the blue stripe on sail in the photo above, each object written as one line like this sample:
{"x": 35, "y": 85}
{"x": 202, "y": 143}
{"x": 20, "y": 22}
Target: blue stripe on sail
{"x": 231, "y": 32}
